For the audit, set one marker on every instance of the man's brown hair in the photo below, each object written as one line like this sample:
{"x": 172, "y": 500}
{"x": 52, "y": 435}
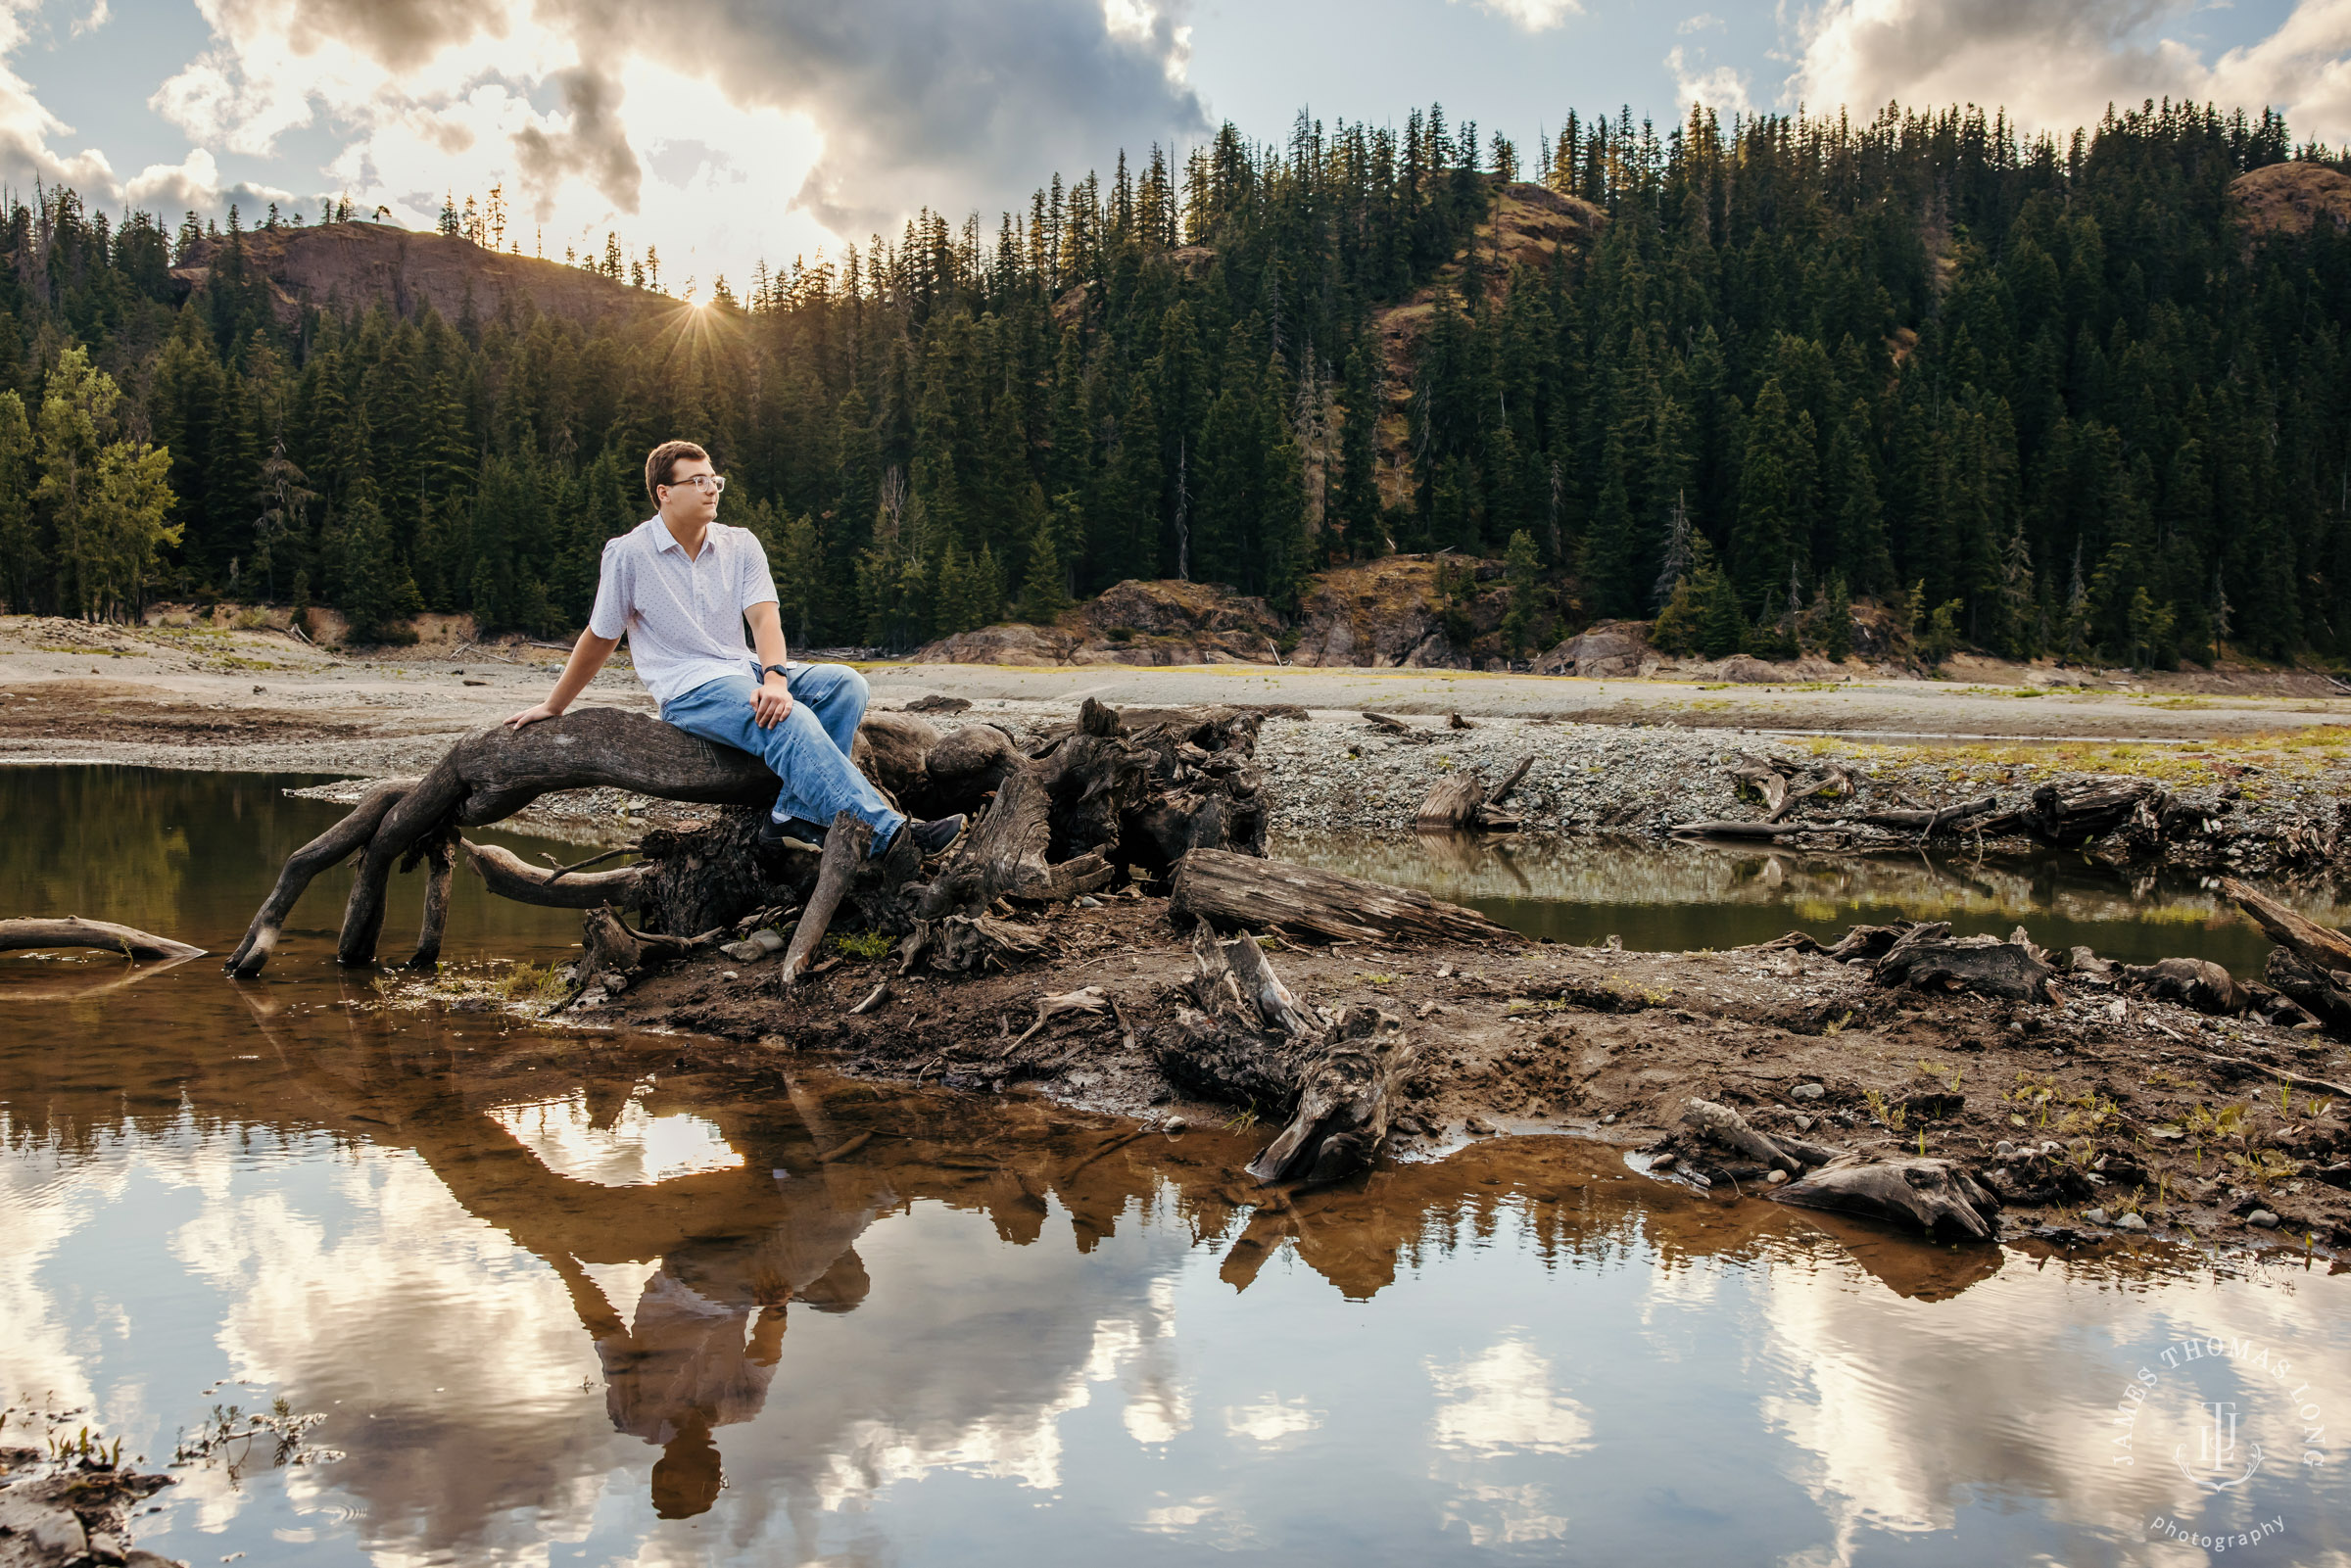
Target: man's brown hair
{"x": 663, "y": 459}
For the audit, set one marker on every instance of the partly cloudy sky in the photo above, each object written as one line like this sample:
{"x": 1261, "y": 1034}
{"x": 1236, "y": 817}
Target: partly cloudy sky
{"x": 730, "y": 130}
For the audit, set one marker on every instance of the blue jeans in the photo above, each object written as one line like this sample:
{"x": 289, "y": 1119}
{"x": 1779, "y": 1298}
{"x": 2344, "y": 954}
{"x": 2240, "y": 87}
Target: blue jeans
{"x": 809, "y": 750}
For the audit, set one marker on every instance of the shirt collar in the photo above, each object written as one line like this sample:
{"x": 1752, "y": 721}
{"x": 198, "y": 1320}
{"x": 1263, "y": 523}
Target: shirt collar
{"x": 666, "y": 540}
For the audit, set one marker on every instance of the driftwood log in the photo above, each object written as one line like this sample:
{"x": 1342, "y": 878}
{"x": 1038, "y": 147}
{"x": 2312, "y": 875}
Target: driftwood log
{"x": 1926, "y": 824}
{"x": 694, "y": 879}
{"x": 1461, "y": 803}
{"x": 489, "y": 775}
{"x": 1782, "y": 784}
{"x": 1929, "y": 958}
{"x": 1229, "y": 891}
{"x": 2315, "y": 991}
{"x": 1250, "y": 1040}
{"x": 1765, "y": 778}
{"x": 846, "y": 846}
{"x": 28, "y": 934}
{"x": 2311, "y": 964}
{"x": 1112, "y": 798}
{"x": 2071, "y": 814}
{"x": 1116, "y": 796}
{"x": 508, "y": 876}
{"x": 2328, "y": 952}
{"x": 1929, "y": 1194}
{"x": 2195, "y": 982}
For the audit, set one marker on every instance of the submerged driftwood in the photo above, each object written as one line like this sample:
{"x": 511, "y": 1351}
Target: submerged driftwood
{"x": 72, "y": 931}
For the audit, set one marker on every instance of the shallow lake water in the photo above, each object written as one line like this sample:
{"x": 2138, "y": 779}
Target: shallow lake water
{"x": 1669, "y": 897}
{"x": 557, "y": 1303}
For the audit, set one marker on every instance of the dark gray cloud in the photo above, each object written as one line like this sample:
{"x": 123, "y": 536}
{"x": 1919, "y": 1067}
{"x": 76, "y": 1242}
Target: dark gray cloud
{"x": 596, "y": 147}
{"x": 400, "y": 33}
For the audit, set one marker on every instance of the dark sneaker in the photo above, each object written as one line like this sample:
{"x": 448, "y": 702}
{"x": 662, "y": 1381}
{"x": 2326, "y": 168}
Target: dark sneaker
{"x": 772, "y": 833}
{"x": 935, "y": 835}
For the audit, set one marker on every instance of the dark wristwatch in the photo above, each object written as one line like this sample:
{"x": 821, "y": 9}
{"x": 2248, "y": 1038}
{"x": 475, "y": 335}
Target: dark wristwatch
{"x": 783, "y": 670}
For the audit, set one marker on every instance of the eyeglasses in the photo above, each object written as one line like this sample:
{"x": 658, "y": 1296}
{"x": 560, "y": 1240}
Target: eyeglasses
{"x": 707, "y": 483}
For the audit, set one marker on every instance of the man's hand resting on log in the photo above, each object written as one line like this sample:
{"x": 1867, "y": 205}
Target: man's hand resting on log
{"x": 588, "y": 655}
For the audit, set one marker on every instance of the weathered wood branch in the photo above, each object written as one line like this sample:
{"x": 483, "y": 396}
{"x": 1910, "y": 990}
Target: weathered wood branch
{"x": 2328, "y": 952}
{"x": 1116, "y": 794}
{"x": 1239, "y": 890}
{"x": 1928, "y": 957}
{"x": 612, "y": 947}
{"x": 1926, "y": 824}
{"x": 1251, "y": 1041}
{"x": 26, "y": 934}
{"x": 1767, "y": 780}
{"x": 508, "y": 876}
{"x": 846, "y": 843}
{"x": 2315, "y": 991}
{"x": 343, "y": 840}
{"x": 493, "y": 772}
{"x": 1461, "y": 803}
{"x": 1344, "y": 1089}
{"x": 2070, "y": 814}
{"x": 1926, "y": 1193}
{"x": 441, "y": 859}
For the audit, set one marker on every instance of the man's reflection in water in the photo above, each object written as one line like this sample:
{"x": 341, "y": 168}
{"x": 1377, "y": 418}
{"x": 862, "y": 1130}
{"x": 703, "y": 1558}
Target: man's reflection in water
{"x": 708, "y": 1331}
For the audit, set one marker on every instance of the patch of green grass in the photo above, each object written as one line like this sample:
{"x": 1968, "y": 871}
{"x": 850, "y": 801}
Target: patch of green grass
{"x": 862, "y": 944}
{"x": 530, "y": 983}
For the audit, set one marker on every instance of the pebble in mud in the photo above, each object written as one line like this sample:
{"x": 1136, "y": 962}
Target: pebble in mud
{"x": 1806, "y": 1091}
{"x": 1477, "y": 1125}
{"x": 1775, "y": 1178}
{"x": 2262, "y": 1219}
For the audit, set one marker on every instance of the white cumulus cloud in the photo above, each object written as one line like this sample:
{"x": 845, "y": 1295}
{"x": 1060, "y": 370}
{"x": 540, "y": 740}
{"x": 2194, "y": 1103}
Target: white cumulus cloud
{"x": 2055, "y": 66}
{"x": 1721, "y": 87}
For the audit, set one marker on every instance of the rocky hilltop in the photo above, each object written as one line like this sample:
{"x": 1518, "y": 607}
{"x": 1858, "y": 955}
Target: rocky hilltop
{"x": 1130, "y": 623}
{"x": 1438, "y": 612}
{"x": 2291, "y": 198}
{"x": 355, "y": 264}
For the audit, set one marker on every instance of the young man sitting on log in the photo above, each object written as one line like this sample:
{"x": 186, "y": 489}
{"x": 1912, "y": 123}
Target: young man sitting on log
{"x": 681, "y": 585}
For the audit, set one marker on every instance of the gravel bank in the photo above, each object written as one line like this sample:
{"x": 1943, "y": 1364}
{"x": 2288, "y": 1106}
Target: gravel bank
{"x": 2259, "y": 797}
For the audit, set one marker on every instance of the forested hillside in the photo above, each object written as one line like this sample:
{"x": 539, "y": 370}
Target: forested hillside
{"x": 2044, "y": 396}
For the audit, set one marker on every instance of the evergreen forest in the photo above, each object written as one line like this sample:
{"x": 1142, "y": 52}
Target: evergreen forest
{"x": 2036, "y": 395}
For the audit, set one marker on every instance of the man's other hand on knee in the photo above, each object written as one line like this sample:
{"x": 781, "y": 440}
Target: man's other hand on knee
{"x": 771, "y": 702}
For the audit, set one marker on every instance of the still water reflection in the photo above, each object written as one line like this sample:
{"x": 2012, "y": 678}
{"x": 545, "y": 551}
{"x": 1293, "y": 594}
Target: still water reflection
{"x": 561, "y": 1302}
{"x": 1669, "y": 897}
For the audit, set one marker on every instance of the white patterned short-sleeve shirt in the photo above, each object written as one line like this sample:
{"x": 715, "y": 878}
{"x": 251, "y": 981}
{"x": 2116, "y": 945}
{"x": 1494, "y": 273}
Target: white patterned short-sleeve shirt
{"x": 683, "y": 617}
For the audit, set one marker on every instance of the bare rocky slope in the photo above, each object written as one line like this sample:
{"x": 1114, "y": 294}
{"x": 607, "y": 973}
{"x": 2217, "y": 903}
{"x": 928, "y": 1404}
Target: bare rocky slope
{"x": 355, "y": 264}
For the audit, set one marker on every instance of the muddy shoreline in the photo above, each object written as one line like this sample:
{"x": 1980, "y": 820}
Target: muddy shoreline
{"x": 2108, "y": 1101}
